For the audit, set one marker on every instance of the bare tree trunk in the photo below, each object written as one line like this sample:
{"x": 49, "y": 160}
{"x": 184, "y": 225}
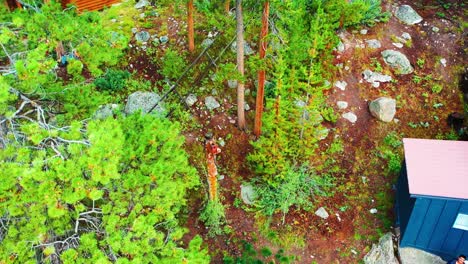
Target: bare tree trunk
{"x": 240, "y": 66}
{"x": 226, "y": 5}
{"x": 191, "y": 41}
{"x": 261, "y": 72}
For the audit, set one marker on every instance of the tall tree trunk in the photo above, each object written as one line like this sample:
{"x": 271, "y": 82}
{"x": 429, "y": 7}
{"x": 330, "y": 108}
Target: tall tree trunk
{"x": 191, "y": 41}
{"x": 226, "y": 5}
{"x": 240, "y": 66}
{"x": 261, "y": 72}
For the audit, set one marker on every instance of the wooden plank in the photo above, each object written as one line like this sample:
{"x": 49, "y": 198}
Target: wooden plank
{"x": 428, "y": 229}
{"x": 444, "y": 225}
{"x": 415, "y": 222}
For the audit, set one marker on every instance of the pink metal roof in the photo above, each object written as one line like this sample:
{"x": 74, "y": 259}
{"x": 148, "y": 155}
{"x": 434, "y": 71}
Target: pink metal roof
{"x": 437, "y": 167}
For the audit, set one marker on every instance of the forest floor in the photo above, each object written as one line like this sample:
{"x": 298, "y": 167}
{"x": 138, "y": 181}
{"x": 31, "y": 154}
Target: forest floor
{"x": 365, "y": 183}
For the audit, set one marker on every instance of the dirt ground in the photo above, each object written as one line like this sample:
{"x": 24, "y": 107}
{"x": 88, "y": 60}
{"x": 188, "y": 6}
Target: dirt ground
{"x": 347, "y": 235}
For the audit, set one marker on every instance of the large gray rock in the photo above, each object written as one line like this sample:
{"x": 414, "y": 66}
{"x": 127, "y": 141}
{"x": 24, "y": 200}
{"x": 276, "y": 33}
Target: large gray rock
{"x": 211, "y": 103}
{"x": 248, "y": 194}
{"x": 143, "y": 101}
{"x": 407, "y": 15}
{"x": 397, "y": 61}
{"x": 142, "y": 36}
{"x": 410, "y": 255}
{"x": 105, "y": 111}
{"x": 383, "y": 108}
{"x": 383, "y": 252}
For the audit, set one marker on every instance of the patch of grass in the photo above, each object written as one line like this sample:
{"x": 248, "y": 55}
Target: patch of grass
{"x": 420, "y": 62}
{"x": 436, "y": 88}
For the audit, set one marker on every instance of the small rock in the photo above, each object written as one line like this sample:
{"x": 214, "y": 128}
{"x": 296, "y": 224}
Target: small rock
{"x": 363, "y": 31}
{"x": 247, "y": 49}
{"x": 232, "y": 84}
{"x": 141, "y": 4}
{"x": 406, "y": 35}
{"x": 221, "y": 177}
{"x": 398, "y": 45}
{"x": 443, "y": 61}
{"x": 351, "y": 117}
{"x": 373, "y": 211}
{"x": 407, "y": 15}
{"x": 248, "y": 194}
{"x": 321, "y": 134}
{"x": 105, "y": 111}
{"x": 142, "y": 36}
{"x": 354, "y": 252}
{"x": 398, "y": 61}
{"x": 221, "y": 142}
{"x": 341, "y": 85}
{"x": 322, "y": 213}
{"x": 340, "y": 47}
{"x": 375, "y": 78}
{"x": 435, "y": 29}
{"x": 191, "y": 100}
{"x": 144, "y": 102}
{"x": 211, "y": 103}
{"x": 383, "y": 108}
{"x": 373, "y": 44}
{"x": 134, "y": 30}
{"x": 342, "y": 104}
{"x": 114, "y": 20}
{"x": 214, "y": 92}
{"x": 346, "y": 68}
{"x": 247, "y": 92}
{"x": 142, "y": 15}
{"x": 246, "y": 106}
{"x": 164, "y": 39}
{"x": 207, "y": 42}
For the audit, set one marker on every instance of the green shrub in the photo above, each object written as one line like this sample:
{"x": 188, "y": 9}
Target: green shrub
{"x": 297, "y": 188}
{"x": 74, "y": 68}
{"x": 437, "y": 88}
{"x": 329, "y": 114}
{"x": 173, "y": 64}
{"x": 213, "y": 217}
{"x": 113, "y": 80}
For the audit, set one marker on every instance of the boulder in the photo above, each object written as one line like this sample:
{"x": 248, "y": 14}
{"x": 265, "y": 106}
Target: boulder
{"x": 191, "y": 99}
{"x": 410, "y": 255}
{"x": 322, "y": 213}
{"x": 407, "y": 15}
{"x": 373, "y": 43}
{"x": 383, "y": 252}
{"x": 248, "y": 194}
{"x": 211, "y": 103}
{"x": 143, "y": 101}
{"x": 142, "y": 36}
{"x": 383, "y": 108}
{"x": 105, "y": 111}
{"x": 351, "y": 117}
{"x": 397, "y": 61}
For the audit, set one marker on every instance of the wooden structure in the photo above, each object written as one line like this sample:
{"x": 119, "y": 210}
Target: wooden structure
{"x": 432, "y": 198}
{"x": 82, "y": 5}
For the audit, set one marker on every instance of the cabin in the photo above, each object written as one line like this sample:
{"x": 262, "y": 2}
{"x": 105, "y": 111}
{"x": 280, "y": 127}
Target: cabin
{"x": 432, "y": 197}
{"x": 82, "y": 5}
